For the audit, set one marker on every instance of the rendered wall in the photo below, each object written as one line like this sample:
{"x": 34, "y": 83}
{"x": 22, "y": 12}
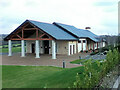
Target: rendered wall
{"x": 62, "y": 47}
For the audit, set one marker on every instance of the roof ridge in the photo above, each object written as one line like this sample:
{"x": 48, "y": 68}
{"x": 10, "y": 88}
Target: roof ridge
{"x": 38, "y": 21}
{"x": 63, "y": 24}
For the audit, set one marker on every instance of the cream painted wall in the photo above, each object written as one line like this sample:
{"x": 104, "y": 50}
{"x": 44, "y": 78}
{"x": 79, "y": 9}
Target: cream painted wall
{"x": 29, "y": 46}
{"x": 62, "y": 47}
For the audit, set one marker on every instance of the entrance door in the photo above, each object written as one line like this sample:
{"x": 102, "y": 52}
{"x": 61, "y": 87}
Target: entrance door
{"x": 33, "y": 48}
{"x": 46, "y": 47}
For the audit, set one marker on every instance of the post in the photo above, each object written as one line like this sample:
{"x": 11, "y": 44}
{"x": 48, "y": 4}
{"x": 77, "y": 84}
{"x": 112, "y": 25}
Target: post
{"x": 63, "y": 64}
{"x": 97, "y": 45}
{"x": 72, "y": 49}
{"x": 79, "y": 57}
{"x": 68, "y": 49}
{"x": 90, "y": 45}
{"x": 93, "y": 45}
{"x": 37, "y": 49}
{"x": 53, "y": 49}
{"x": 82, "y": 45}
{"x": 22, "y": 48}
{"x": 10, "y": 48}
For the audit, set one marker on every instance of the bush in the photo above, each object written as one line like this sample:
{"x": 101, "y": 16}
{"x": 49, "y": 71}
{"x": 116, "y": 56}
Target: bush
{"x": 93, "y": 74}
{"x": 81, "y": 51}
{"x": 93, "y": 53}
{"x": 86, "y": 51}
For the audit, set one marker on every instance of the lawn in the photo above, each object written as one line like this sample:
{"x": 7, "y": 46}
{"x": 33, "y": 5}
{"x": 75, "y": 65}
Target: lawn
{"x": 14, "y": 49}
{"x": 38, "y": 76}
{"x": 82, "y": 61}
{"x": 77, "y": 61}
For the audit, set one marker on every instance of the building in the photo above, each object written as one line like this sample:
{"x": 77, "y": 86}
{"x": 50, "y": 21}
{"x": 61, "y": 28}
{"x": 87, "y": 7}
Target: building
{"x": 56, "y": 38}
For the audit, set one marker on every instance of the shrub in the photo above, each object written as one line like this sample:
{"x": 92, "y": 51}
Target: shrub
{"x": 92, "y": 74}
{"x": 86, "y": 51}
{"x": 77, "y": 83}
{"x": 81, "y": 51}
{"x": 93, "y": 53}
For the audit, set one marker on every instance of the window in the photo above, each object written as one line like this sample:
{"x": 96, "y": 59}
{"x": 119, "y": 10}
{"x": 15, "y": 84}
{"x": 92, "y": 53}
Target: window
{"x": 83, "y": 41}
{"x": 79, "y": 41}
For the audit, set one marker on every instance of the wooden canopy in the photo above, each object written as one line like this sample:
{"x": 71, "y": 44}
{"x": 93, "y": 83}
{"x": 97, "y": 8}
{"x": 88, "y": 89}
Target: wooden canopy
{"x": 26, "y": 30}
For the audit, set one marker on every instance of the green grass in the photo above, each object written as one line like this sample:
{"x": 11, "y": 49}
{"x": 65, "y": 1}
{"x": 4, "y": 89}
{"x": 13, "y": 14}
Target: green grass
{"x": 14, "y": 49}
{"x": 38, "y": 76}
{"x": 7, "y": 45}
{"x": 78, "y": 61}
{"x": 82, "y": 61}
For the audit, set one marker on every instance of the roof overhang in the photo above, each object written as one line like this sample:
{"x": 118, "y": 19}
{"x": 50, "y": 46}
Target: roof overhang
{"x": 21, "y": 27}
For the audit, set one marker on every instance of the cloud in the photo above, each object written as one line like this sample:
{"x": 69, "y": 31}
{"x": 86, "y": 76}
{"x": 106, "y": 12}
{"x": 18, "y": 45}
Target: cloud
{"x": 105, "y": 3}
{"x": 80, "y": 13}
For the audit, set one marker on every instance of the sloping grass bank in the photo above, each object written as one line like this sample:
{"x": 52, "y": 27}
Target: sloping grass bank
{"x": 38, "y": 76}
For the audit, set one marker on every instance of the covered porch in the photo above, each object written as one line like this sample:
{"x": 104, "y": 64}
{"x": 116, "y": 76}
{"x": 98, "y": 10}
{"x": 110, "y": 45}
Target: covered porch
{"x": 35, "y": 39}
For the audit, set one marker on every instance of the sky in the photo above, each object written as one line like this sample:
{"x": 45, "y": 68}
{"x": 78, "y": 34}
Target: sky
{"x": 100, "y": 15}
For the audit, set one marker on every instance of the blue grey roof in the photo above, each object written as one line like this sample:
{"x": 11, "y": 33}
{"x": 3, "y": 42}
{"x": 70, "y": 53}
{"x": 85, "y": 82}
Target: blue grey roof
{"x": 67, "y": 32}
{"x": 78, "y": 32}
{"x": 53, "y": 30}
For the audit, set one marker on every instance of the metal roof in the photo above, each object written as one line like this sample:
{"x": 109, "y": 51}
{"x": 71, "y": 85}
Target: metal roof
{"x": 77, "y": 32}
{"x": 53, "y": 30}
{"x": 60, "y": 31}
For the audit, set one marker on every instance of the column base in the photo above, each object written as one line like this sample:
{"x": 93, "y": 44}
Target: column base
{"x": 23, "y": 56}
{"x": 54, "y": 58}
{"x": 9, "y": 55}
{"x": 37, "y": 57}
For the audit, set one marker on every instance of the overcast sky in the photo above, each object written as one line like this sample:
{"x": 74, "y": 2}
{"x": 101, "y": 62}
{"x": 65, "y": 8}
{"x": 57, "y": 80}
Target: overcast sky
{"x": 100, "y": 15}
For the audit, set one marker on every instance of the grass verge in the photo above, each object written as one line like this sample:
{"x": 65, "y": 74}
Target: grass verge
{"x": 77, "y": 61}
{"x": 38, "y": 76}
{"x": 14, "y": 49}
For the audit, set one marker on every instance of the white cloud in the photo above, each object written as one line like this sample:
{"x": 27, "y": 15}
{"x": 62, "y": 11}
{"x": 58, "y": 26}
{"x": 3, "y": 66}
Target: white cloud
{"x": 80, "y": 13}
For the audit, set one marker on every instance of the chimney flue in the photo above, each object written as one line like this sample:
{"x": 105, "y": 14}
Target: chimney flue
{"x": 87, "y": 27}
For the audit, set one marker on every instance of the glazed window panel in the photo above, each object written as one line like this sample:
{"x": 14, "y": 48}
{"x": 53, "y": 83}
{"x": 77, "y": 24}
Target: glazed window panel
{"x": 83, "y": 41}
{"x": 79, "y": 41}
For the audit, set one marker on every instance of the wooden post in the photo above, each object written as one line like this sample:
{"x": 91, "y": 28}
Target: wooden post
{"x": 37, "y": 34}
{"x": 97, "y": 45}
{"x": 90, "y": 46}
{"x": 22, "y": 33}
